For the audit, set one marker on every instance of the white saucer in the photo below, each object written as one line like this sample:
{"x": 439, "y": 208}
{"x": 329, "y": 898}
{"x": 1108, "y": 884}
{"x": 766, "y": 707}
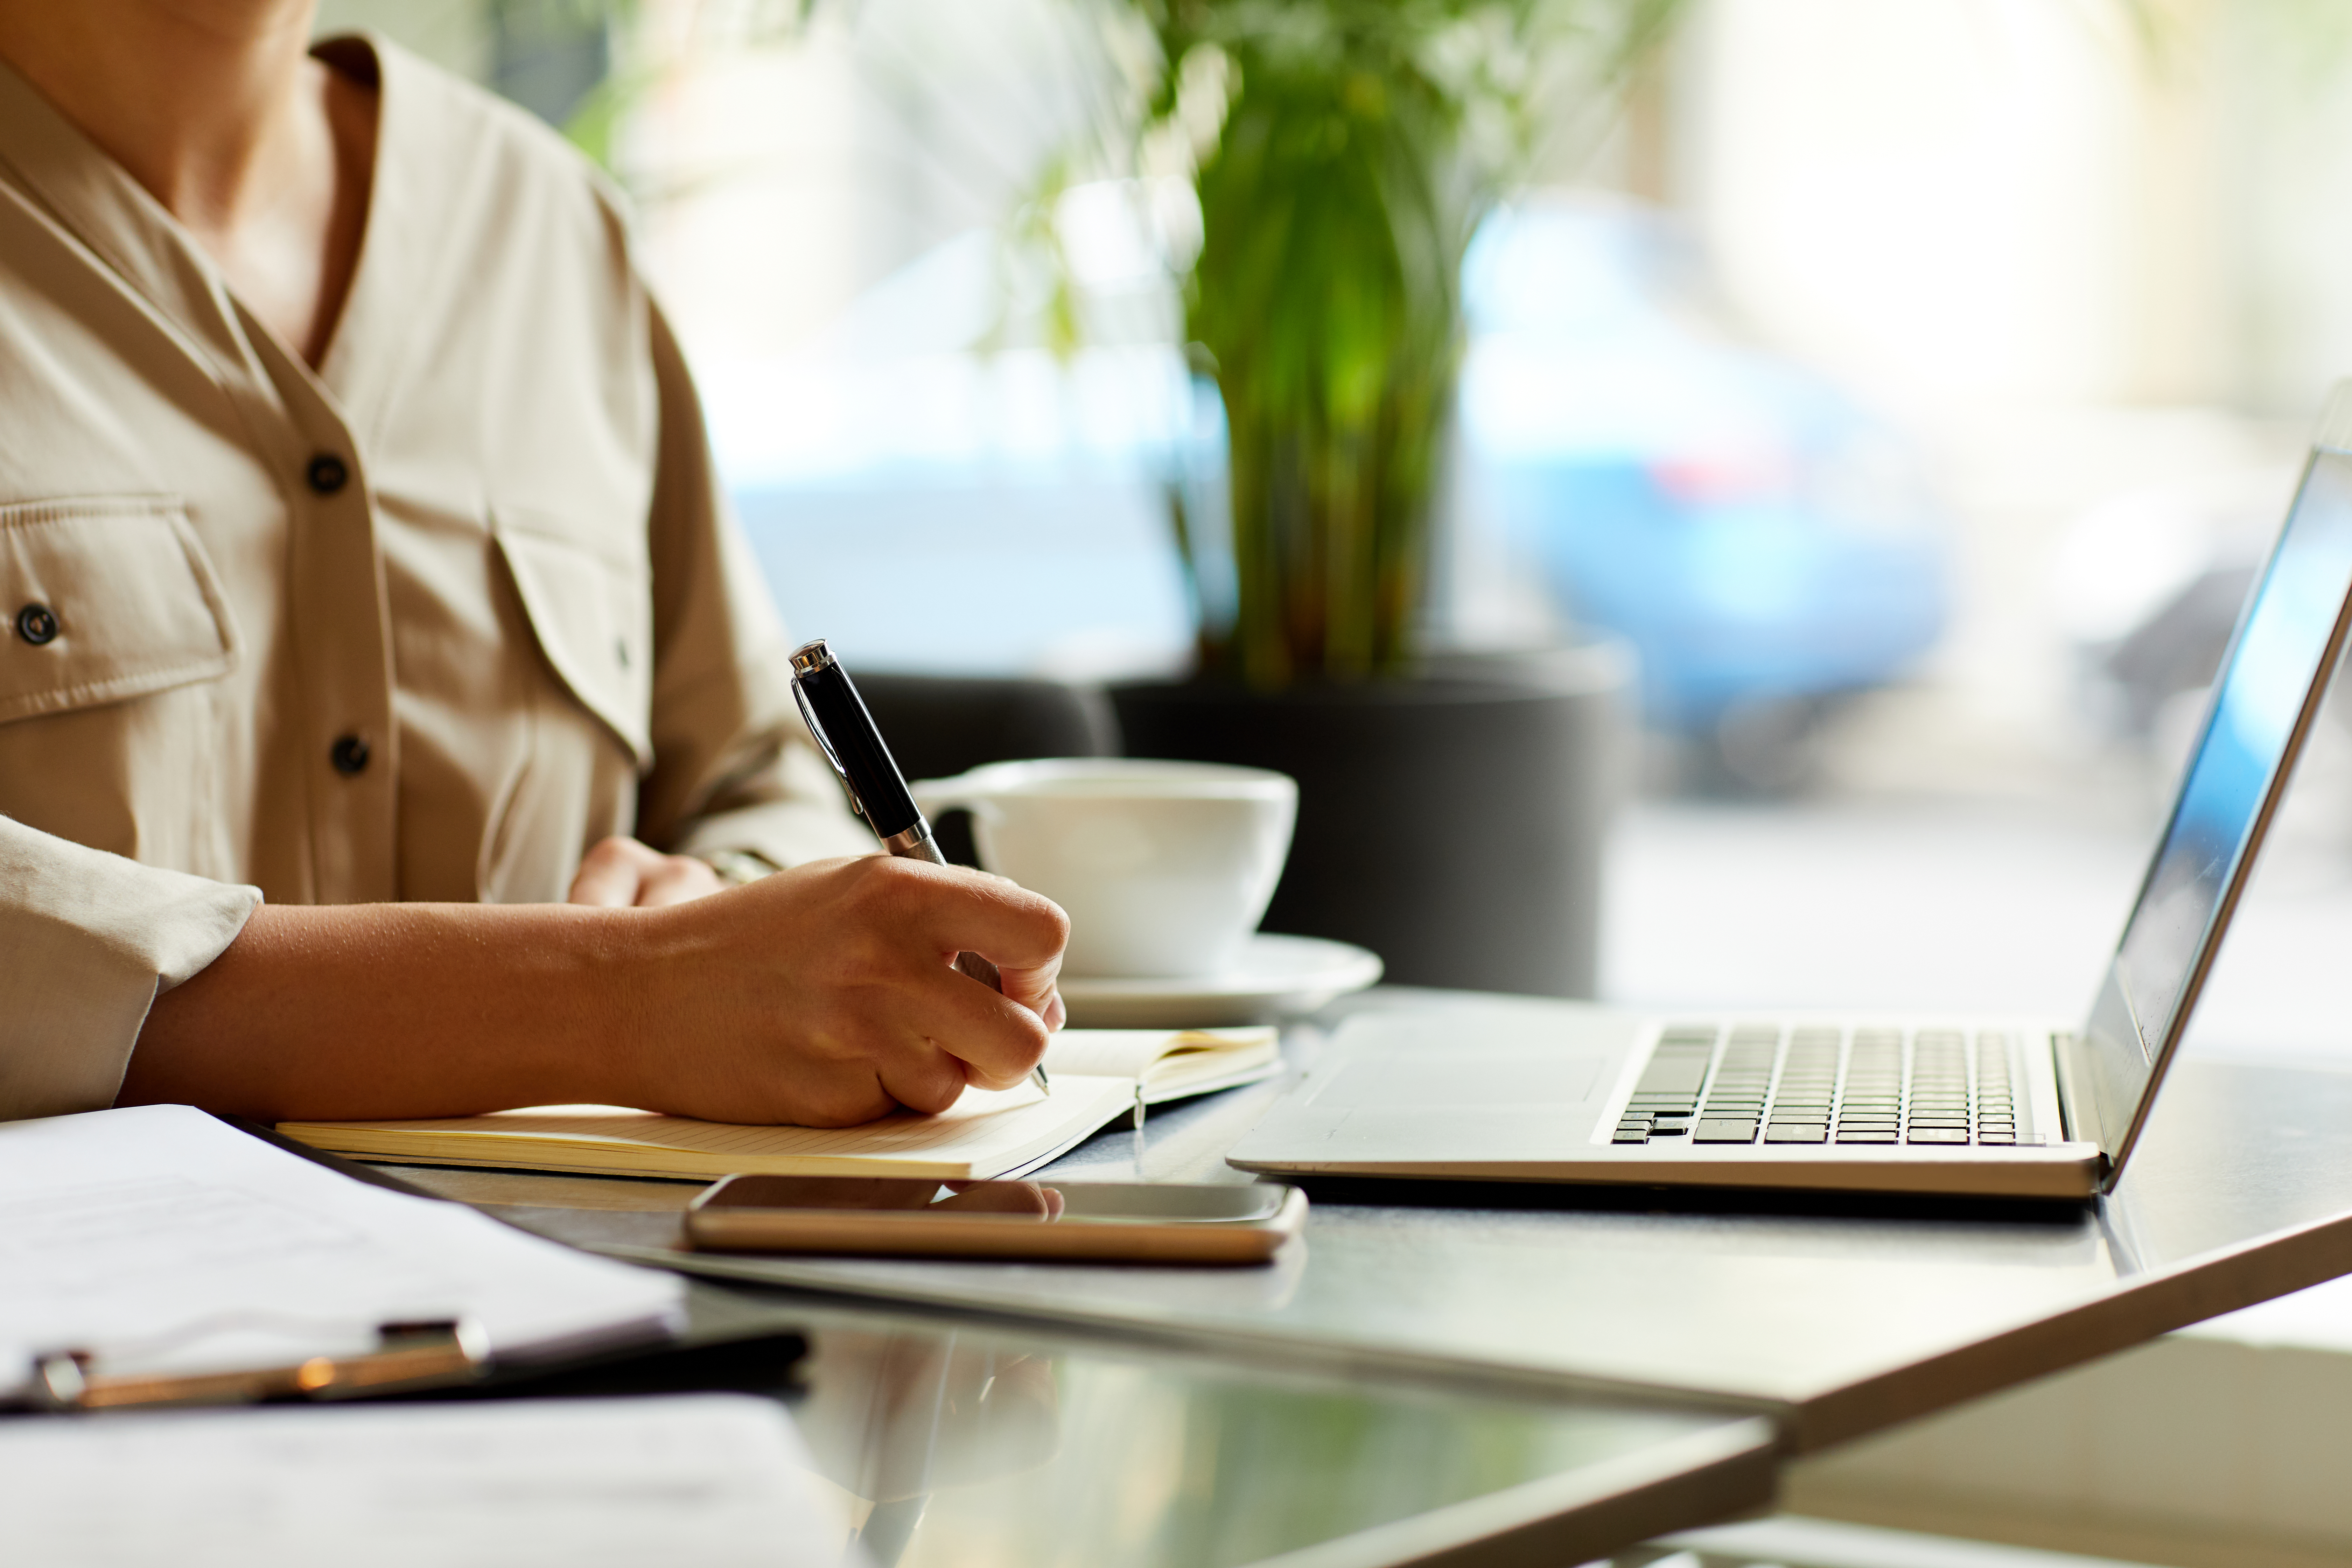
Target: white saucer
{"x": 1275, "y": 977}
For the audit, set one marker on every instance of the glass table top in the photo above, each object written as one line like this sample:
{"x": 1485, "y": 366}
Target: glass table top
{"x": 950, "y": 1445}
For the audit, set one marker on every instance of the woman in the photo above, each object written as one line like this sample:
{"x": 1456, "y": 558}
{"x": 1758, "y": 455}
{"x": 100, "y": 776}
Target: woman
{"x": 361, "y": 554}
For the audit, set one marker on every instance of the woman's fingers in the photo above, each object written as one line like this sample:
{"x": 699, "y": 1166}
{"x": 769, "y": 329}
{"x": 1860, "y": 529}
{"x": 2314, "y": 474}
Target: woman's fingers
{"x": 970, "y": 911}
{"x": 923, "y": 1074}
{"x": 610, "y": 873}
{"x": 994, "y": 1040}
{"x": 621, "y": 873}
{"x": 1034, "y": 987}
{"x": 1021, "y": 932}
{"x": 676, "y": 879}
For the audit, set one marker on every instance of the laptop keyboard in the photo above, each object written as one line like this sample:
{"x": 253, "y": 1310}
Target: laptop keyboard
{"x": 1759, "y": 1083}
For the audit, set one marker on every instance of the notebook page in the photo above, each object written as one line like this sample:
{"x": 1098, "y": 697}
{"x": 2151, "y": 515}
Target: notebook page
{"x": 1107, "y": 1053}
{"x": 1179, "y": 1078}
{"x": 1130, "y": 1053}
{"x": 988, "y": 1130}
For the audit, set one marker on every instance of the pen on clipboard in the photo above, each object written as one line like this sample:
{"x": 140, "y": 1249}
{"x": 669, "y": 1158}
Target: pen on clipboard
{"x": 836, "y": 716}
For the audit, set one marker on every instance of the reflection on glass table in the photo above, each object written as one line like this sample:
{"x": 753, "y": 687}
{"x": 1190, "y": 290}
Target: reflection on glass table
{"x": 950, "y": 1445}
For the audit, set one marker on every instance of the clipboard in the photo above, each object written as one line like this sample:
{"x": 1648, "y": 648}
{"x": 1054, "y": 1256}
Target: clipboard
{"x": 718, "y": 1344}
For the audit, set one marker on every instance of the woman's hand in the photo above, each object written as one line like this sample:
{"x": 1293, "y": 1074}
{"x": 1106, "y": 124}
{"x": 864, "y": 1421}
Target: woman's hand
{"x": 621, "y": 873}
{"x": 822, "y": 995}
{"x": 826, "y": 995}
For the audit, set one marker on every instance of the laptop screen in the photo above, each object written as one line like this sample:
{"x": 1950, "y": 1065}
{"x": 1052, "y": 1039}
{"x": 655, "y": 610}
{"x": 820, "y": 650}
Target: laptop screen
{"x": 2267, "y": 690}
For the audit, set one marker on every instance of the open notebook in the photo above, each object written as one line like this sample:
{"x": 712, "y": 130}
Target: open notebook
{"x": 1097, "y": 1075}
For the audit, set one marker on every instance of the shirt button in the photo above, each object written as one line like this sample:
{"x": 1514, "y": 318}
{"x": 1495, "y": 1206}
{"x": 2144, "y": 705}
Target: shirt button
{"x": 350, "y": 754}
{"x": 37, "y": 625}
{"x": 327, "y": 473}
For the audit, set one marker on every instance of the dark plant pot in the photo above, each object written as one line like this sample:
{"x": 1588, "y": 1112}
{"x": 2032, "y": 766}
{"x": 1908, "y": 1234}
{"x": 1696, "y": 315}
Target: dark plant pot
{"x": 1452, "y": 823}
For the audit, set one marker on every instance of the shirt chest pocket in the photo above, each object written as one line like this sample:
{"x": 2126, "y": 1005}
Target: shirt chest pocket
{"x": 592, "y": 611}
{"x": 104, "y": 599}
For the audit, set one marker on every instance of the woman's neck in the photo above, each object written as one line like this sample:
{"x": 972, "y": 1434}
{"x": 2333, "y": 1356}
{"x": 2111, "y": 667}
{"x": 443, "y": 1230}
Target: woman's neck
{"x": 217, "y": 108}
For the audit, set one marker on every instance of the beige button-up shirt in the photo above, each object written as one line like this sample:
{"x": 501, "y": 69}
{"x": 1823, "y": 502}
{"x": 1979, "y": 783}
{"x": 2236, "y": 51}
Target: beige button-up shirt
{"x": 422, "y": 623}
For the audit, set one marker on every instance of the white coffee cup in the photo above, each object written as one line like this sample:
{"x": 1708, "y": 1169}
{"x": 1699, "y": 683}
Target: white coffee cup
{"x": 1164, "y": 867}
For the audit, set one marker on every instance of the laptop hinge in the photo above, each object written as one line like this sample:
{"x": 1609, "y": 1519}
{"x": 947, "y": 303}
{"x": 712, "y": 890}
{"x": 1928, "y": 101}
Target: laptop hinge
{"x": 2078, "y": 1123}
{"x": 2081, "y": 1122}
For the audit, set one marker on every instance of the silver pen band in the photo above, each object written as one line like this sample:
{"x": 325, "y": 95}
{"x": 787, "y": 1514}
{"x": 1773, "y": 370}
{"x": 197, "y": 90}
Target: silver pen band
{"x": 914, "y": 844}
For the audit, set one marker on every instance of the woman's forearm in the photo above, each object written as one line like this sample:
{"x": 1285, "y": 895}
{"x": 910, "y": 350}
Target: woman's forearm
{"x": 408, "y": 1010}
{"x": 821, "y": 995}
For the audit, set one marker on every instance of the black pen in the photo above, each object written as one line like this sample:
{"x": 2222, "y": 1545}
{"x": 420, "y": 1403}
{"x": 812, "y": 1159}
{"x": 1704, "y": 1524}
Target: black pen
{"x": 845, "y": 732}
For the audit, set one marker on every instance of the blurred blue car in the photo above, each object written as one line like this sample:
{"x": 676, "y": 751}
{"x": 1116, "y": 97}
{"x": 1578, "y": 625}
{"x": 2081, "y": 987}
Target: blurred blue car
{"x": 1766, "y": 545}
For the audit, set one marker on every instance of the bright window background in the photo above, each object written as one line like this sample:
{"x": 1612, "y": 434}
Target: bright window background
{"x": 2088, "y": 280}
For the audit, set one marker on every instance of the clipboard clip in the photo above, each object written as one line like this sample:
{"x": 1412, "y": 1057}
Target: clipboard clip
{"x": 425, "y": 1354}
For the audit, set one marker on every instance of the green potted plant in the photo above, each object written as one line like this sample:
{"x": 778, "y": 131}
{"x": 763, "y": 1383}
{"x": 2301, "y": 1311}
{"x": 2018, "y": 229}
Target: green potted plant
{"x": 1343, "y": 153}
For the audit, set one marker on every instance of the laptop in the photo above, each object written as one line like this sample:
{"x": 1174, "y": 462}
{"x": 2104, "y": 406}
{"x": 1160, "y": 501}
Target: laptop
{"x": 1540, "y": 1090}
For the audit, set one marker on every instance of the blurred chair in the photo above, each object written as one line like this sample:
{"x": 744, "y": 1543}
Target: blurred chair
{"x": 940, "y": 725}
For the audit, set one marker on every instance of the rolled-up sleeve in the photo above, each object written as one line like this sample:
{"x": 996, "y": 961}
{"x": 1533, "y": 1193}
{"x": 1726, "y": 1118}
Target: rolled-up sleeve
{"x": 89, "y": 940}
{"x": 734, "y": 767}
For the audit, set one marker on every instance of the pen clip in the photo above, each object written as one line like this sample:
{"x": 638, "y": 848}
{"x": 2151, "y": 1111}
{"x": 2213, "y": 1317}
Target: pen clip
{"x": 816, "y": 734}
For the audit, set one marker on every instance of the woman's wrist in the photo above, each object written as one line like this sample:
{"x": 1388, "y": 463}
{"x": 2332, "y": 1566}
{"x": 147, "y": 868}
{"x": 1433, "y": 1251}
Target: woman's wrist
{"x": 597, "y": 977}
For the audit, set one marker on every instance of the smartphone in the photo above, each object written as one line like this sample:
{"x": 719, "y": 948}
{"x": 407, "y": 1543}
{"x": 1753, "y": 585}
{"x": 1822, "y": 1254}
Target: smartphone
{"x": 1130, "y": 1222}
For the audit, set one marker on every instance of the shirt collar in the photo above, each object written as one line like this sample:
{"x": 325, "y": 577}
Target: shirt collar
{"x": 131, "y": 234}
{"x": 418, "y": 155}
{"x": 110, "y": 214}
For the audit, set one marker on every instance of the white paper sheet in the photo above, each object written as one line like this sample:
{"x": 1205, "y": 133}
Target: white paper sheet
{"x": 713, "y": 1481}
{"x": 161, "y": 1237}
